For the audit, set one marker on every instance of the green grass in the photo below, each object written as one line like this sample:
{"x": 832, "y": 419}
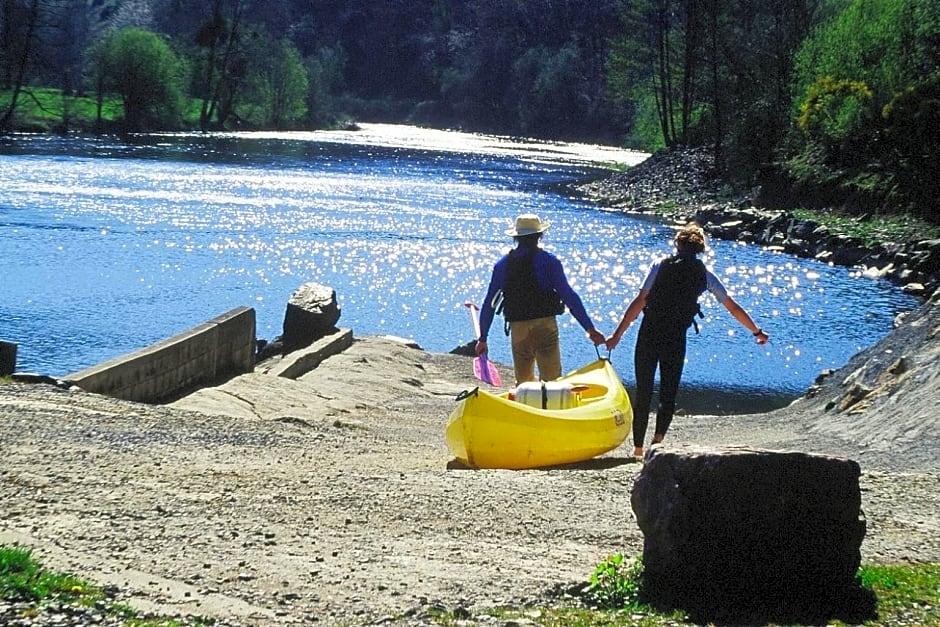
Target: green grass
{"x": 23, "y": 580}
{"x": 907, "y": 594}
{"x": 873, "y": 230}
{"x": 41, "y": 109}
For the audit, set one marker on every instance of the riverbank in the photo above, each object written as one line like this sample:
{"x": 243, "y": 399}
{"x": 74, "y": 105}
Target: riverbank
{"x": 271, "y": 501}
{"x": 328, "y": 499}
{"x": 682, "y": 185}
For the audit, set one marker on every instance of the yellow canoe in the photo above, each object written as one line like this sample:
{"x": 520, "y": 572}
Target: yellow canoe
{"x": 491, "y": 431}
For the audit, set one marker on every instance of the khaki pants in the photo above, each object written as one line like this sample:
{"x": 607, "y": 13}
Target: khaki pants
{"x": 535, "y": 341}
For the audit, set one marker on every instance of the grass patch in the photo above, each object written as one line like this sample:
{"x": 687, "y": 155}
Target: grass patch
{"x": 23, "y": 579}
{"x": 42, "y": 109}
{"x": 907, "y": 594}
{"x": 25, "y": 582}
{"x": 873, "y": 230}
{"x": 46, "y": 110}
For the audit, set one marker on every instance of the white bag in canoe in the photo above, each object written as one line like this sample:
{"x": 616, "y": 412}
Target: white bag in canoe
{"x": 547, "y": 394}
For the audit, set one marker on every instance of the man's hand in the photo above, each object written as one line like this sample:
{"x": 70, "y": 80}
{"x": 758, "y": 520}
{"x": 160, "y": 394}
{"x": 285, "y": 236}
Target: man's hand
{"x": 481, "y": 347}
{"x": 597, "y": 337}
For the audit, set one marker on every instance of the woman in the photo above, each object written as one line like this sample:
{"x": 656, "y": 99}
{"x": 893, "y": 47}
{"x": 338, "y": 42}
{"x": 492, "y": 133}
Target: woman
{"x": 669, "y": 302}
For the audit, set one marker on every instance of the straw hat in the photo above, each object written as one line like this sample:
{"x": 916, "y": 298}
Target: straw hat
{"x": 527, "y": 224}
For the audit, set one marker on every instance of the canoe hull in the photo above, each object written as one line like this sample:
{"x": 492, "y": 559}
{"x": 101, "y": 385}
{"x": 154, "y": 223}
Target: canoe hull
{"x": 491, "y": 431}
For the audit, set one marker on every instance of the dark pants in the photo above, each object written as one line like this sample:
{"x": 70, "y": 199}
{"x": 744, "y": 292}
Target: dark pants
{"x": 663, "y": 347}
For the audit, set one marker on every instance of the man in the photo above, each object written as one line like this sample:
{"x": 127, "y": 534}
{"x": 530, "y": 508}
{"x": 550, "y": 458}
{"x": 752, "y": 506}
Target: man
{"x": 669, "y": 301}
{"x": 534, "y": 290}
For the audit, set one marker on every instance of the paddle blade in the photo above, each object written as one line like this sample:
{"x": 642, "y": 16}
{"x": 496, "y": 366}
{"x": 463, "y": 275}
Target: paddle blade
{"x": 486, "y": 372}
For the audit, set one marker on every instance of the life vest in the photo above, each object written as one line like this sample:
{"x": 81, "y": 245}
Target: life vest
{"x": 523, "y": 298}
{"x": 673, "y": 300}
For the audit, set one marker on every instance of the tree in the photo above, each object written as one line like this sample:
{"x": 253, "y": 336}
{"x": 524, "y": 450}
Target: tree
{"x": 513, "y": 66}
{"x": 548, "y": 84}
{"x": 141, "y": 67}
{"x": 325, "y": 73}
{"x": 276, "y": 86}
{"x": 652, "y": 62}
{"x": 223, "y": 63}
{"x": 18, "y": 26}
{"x": 715, "y": 72}
{"x": 867, "y": 103}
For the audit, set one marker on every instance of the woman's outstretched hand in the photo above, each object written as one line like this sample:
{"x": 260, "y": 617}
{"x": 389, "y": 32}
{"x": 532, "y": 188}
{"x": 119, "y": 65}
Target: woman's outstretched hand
{"x": 612, "y": 342}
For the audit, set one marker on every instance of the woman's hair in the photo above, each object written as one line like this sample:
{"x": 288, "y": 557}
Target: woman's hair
{"x": 691, "y": 239}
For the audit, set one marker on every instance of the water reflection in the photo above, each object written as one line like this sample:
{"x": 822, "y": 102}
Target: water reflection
{"x": 110, "y": 246}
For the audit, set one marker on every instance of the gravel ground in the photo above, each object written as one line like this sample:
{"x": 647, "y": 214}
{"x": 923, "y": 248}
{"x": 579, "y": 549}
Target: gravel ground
{"x": 328, "y": 499}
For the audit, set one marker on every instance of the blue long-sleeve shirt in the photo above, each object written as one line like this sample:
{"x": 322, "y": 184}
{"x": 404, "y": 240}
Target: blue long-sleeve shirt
{"x": 549, "y": 274}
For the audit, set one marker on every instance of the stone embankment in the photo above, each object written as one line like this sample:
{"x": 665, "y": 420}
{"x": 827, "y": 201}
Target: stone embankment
{"x": 683, "y": 185}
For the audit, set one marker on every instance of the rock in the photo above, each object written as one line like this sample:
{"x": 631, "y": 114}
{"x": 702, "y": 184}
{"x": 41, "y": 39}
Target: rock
{"x": 404, "y": 341}
{"x": 917, "y": 289}
{"x": 266, "y": 350}
{"x": 848, "y": 255}
{"x": 312, "y": 313}
{"x": 7, "y": 358}
{"x": 803, "y": 229}
{"x": 467, "y": 350}
{"x": 738, "y": 533}
{"x": 854, "y": 395}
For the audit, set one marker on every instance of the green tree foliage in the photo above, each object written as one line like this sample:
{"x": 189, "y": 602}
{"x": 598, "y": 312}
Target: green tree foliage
{"x": 19, "y": 23}
{"x": 325, "y": 70}
{"x": 749, "y": 77}
{"x": 866, "y": 103}
{"x": 149, "y": 76}
{"x": 276, "y": 86}
{"x": 220, "y": 62}
{"x": 509, "y": 66}
{"x": 632, "y": 77}
{"x": 866, "y": 42}
{"x": 548, "y": 82}
{"x": 844, "y": 92}
{"x": 710, "y": 72}
{"x": 834, "y": 109}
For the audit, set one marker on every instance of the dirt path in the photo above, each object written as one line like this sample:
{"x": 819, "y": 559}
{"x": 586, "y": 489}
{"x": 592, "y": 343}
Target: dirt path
{"x": 268, "y": 501}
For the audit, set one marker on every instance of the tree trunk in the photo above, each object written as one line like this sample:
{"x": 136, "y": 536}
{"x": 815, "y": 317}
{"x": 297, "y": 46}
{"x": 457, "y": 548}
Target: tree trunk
{"x": 690, "y": 66}
{"x": 18, "y": 67}
{"x": 664, "y": 90}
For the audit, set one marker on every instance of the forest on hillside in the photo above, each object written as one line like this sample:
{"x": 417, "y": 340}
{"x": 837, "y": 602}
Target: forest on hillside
{"x": 837, "y": 101}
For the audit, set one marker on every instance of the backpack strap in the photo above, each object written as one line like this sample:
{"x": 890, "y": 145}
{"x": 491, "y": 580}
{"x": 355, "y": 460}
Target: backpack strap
{"x": 698, "y": 312}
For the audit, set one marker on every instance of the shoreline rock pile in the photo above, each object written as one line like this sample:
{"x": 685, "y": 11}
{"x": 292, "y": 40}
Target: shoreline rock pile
{"x": 684, "y": 185}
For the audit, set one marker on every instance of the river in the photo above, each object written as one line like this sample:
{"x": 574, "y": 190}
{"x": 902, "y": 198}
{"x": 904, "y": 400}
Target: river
{"x": 108, "y": 245}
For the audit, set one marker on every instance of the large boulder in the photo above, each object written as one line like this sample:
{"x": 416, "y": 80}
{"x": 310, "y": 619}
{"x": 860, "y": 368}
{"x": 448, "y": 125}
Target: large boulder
{"x": 738, "y": 534}
{"x": 312, "y": 313}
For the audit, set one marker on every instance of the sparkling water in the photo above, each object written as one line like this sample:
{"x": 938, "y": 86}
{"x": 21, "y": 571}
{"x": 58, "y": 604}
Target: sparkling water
{"x": 110, "y": 245}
